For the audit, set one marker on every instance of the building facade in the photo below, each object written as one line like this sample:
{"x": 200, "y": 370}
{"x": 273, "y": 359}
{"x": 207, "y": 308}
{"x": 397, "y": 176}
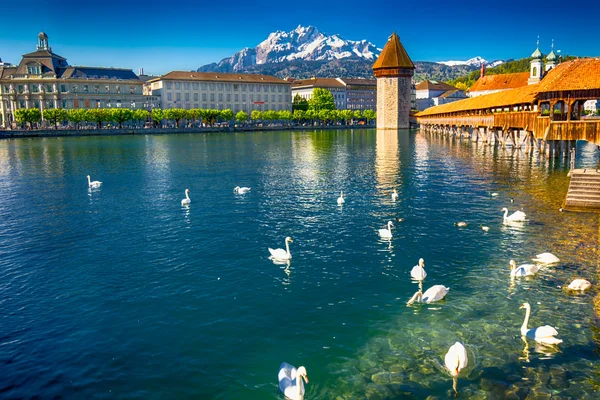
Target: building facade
{"x": 361, "y": 94}
{"x": 219, "y": 91}
{"x": 394, "y": 71}
{"x": 45, "y": 80}
{"x": 433, "y": 93}
{"x": 304, "y": 88}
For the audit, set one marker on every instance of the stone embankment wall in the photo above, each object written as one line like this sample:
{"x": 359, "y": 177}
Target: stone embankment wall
{"x": 161, "y": 131}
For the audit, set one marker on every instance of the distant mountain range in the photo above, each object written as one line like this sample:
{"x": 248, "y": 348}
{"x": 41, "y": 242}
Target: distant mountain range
{"x": 306, "y": 52}
{"x": 474, "y": 62}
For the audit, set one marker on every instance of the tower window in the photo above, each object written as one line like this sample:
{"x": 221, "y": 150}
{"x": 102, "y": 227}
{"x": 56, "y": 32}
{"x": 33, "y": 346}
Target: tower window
{"x": 534, "y": 72}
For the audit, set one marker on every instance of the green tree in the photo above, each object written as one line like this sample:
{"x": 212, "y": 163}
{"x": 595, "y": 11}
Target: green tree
{"x": 285, "y": 115}
{"x": 312, "y": 115}
{"x": 346, "y": 115}
{"x": 299, "y": 115}
{"x": 99, "y": 115}
{"x": 120, "y": 115}
{"x": 211, "y": 116}
{"x": 175, "y": 114}
{"x": 21, "y": 116}
{"x": 321, "y": 99}
{"x": 256, "y": 115}
{"x": 270, "y": 115}
{"x": 157, "y": 116}
{"x": 141, "y": 115}
{"x": 33, "y": 116}
{"x": 77, "y": 116}
{"x": 324, "y": 115}
{"x": 55, "y": 115}
{"x": 241, "y": 116}
{"x": 357, "y": 115}
{"x": 226, "y": 115}
{"x": 369, "y": 115}
{"x": 299, "y": 103}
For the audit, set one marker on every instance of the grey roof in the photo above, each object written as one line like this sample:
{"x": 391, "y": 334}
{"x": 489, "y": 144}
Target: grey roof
{"x": 97, "y": 73}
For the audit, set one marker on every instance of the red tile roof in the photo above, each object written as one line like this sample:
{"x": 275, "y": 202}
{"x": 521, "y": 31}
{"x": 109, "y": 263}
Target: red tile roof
{"x": 579, "y": 74}
{"x": 393, "y": 55}
{"x": 500, "y": 82}
{"x": 434, "y": 85}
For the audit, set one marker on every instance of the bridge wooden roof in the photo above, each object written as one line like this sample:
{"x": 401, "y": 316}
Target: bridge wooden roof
{"x": 500, "y": 82}
{"x": 575, "y": 75}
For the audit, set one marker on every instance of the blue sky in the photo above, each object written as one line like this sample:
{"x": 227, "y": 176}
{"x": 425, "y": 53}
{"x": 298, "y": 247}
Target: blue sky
{"x": 161, "y": 36}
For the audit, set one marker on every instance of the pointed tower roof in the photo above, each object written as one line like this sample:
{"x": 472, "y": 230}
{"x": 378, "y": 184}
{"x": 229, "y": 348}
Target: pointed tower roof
{"x": 551, "y": 56}
{"x": 393, "y": 55}
{"x": 537, "y": 54}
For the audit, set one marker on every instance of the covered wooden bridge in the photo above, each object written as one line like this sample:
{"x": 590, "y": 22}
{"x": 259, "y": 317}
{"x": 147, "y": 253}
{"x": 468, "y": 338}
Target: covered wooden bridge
{"x": 546, "y": 115}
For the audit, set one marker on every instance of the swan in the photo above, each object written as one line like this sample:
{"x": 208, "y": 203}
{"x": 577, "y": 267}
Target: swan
{"x": 281, "y": 254}
{"x": 394, "y": 195}
{"x": 93, "y": 184}
{"x": 241, "y": 190}
{"x": 186, "y": 201}
{"x": 517, "y": 216}
{"x": 456, "y": 359}
{"x": 434, "y": 293}
{"x": 461, "y": 224}
{"x": 580, "y": 284}
{"x": 485, "y": 228}
{"x": 340, "y": 199}
{"x": 523, "y": 269}
{"x": 386, "y": 233}
{"x": 494, "y": 194}
{"x": 418, "y": 271}
{"x": 543, "y": 334}
{"x": 546, "y": 258}
{"x": 290, "y": 381}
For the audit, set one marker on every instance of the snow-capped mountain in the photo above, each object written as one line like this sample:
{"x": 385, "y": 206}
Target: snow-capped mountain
{"x": 475, "y": 62}
{"x": 303, "y": 43}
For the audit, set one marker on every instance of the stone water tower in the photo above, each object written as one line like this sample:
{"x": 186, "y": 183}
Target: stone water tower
{"x": 393, "y": 70}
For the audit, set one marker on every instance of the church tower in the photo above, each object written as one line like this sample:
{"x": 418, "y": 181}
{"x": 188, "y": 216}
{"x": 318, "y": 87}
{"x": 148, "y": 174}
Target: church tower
{"x": 394, "y": 70}
{"x": 43, "y": 42}
{"x": 551, "y": 59}
{"x": 536, "y": 70}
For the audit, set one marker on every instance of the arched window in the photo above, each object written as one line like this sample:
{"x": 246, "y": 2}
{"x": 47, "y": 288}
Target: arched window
{"x": 534, "y": 72}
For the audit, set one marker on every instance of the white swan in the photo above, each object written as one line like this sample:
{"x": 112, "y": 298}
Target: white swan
{"x": 418, "y": 271}
{"x": 517, "y": 216}
{"x": 580, "y": 284}
{"x": 394, "y": 195}
{"x": 386, "y": 233}
{"x": 93, "y": 184}
{"x": 494, "y": 194}
{"x": 281, "y": 254}
{"x": 434, "y": 293}
{"x": 241, "y": 190}
{"x": 461, "y": 224}
{"x": 523, "y": 269}
{"x": 485, "y": 228}
{"x": 456, "y": 359}
{"x": 546, "y": 258}
{"x": 340, "y": 199}
{"x": 290, "y": 381}
{"x": 186, "y": 201}
{"x": 543, "y": 334}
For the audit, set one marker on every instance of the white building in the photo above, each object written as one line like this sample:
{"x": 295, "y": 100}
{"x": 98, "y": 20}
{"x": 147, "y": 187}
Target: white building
{"x": 592, "y": 106}
{"x": 44, "y": 80}
{"x": 219, "y": 91}
{"x": 433, "y": 93}
{"x": 361, "y": 94}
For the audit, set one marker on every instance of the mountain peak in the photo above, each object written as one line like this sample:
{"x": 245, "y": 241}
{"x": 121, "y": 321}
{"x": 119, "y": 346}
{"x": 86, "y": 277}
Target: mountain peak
{"x": 474, "y": 62}
{"x": 303, "y": 43}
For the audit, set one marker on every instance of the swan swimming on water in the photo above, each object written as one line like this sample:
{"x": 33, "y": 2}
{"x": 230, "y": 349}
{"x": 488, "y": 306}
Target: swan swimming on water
{"x": 456, "y": 359}
{"x": 290, "y": 381}
{"x": 394, "y": 195}
{"x": 281, "y": 254}
{"x": 517, "y": 216}
{"x": 523, "y": 269}
{"x": 433, "y": 294}
{"x": 418, "y": 271}
{"x": 241, "y": 190}
{"x": 386, "y": 233}
{"x": 580, "y": 284}
{"x": 186, "y": 201}
{"x": 340, "y": 199}
{"x": 461, "y": 224}
{"x": 543, "y": 334}
{"x": 546, "y": 258}
{"x": 93, "y": 184}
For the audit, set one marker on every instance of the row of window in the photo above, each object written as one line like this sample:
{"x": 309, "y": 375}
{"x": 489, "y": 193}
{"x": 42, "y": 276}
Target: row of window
{"x": 78, "y": 103}
{"x": 234, "y": 107}
{"x": 227, "y": 97}
{"x": 75, "y": 88}
{"x": 227, "y": 86}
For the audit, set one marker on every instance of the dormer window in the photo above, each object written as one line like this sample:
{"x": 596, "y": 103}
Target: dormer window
{"x": 34, "y": 69}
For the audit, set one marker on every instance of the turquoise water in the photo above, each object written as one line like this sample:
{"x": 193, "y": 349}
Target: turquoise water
{"x": 122, "y": 293}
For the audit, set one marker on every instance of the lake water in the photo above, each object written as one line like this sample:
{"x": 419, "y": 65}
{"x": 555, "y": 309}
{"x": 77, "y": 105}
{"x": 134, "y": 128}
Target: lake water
{"x": 123, "y": 293}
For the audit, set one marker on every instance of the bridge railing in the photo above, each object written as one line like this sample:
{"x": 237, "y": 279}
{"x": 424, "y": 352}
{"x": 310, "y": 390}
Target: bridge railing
{"x": 575, "y": 130}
